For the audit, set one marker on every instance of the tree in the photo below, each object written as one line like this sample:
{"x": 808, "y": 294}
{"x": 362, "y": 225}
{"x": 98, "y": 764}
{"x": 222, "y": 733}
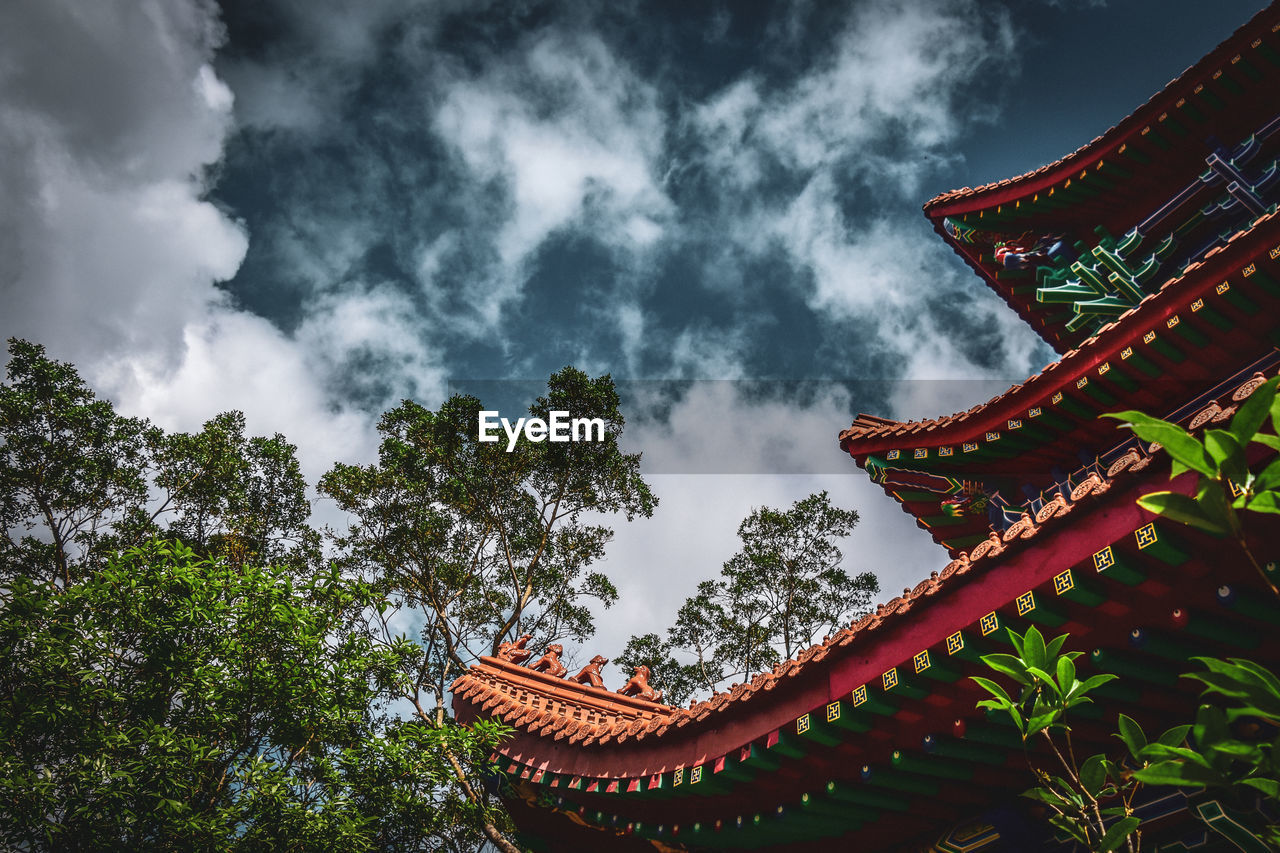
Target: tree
{"x": 71, "y": 469}
{"x": 79, "y": 481}
{"x": 240, "y": 497}
{"x": 175, "y": 702}
{"x": 79, "y": 486}
{"x": 476, "y": 544}
{"x": 776, "y": 596}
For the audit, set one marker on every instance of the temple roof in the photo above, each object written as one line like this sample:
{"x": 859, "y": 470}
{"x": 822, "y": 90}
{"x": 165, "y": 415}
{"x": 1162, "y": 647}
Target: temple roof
{"x": 1201, "y": 152}
{"x": 1206, "y": 331}
{"x": 556, "y": 710}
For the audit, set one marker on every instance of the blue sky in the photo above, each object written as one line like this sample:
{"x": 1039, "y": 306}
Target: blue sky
{"x": 310, "y": 210}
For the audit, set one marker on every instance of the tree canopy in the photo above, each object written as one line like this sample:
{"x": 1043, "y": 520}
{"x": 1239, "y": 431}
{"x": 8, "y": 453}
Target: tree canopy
{"x": 183, "y": 668}
{"x": 780, "y": 593}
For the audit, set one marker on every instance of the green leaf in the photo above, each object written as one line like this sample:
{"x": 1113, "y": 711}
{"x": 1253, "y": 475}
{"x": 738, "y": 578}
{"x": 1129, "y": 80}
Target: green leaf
{"x": 1097, "y": 681}
{"x": 1177, "y": 773}
{"x": 1266, "y": 502}
{"x": 1177, "y": 442}
{"x": 1253, "y": 412}
{"x": 1270, "y": 787}
{"x": 991, "y": 687}
{"x": 1008, "y": 665}
{"x": 1054, "y": 646}
{"x": 1093, "y": 774}
{"x": 1227, "y": 453}
{"x": 1045, "y": 678}
{"x": 1174, "y": 736}
{"x": 1070, "y": 827}
{"x": 1016, "y": 639}
{"x": 1039, "y": 722}
{"x": 1117, "y": 833}
{"x": 1034, "y": 648}
{"x": 1268, "y": 478}
{"x": 1066, "y": 674}
{"x": 1131, "y": 734}
{"x": 1160, "y": 751}
{"x": 1269, "y": 440}
{"x": 1182, "y": 509}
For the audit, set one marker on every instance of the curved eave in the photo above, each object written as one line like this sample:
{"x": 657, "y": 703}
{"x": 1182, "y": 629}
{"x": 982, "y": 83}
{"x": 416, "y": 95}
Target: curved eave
{"x": 1123, "y": 202}
{"x": 1258, "y": 247}
{"x": 1103, "y": 147}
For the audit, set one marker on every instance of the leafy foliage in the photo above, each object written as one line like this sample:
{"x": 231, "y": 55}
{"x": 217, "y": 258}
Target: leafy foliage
{"x": 79, "y": 481}
{"x": 1089, "y": 800}
{"x": 1233, "y": 743}
{"x": 171, "y": 701}
{"x": 484, "y": 544}
{"x": 179, "y": 695}
{"x": 1225, "y": 485}
{"x": 776, "y": 596}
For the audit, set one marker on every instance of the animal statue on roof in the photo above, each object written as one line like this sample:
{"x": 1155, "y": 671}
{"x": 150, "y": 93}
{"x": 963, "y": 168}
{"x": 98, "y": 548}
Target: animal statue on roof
{"x": 638, "y": 685}
{"x": 590, "y": 674}
{"x": 515, "y": 652}
{"x": 550, "y": 662}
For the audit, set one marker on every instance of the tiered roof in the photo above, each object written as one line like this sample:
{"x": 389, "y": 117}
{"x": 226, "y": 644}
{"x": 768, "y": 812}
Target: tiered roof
{"x": 1139, "y": 201}
{"x": 1026, "y": 443}
{"x": 872, "y": 736}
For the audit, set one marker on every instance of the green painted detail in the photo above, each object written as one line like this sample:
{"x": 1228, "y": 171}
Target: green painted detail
{"x": 1159, "y": 542}
{"x": 1114, "y": 567}
{"x": 1264, "y": 609}
{"x": 1189, "y": 109}
{"x": 930, "y": 765}
{"x": 1190, "y": 334}
{"x": 1135, "y": 153}
{"x": 1221, "y": 631}
{"x": 1214, "y": 816}
{"x": 1216, "y": 318}
{"x": 817, "y": 731}
{"x": 961, "y": 543}
{"x": 885, "y": 777}
{"x": 1044, "y": 614}
{"x": 734, "y": 771}
{"x": 861, "y": 795}
{"x": 1174, "y": 125}
{"x": 1142, "y": 669}
{"x": 1146, "y": 365}
{"x": 844, "y": 813}
{"x": 1240, "y": 301}
{"x": 1099, "y": 394}
{"x": 938, "y": 670}
{"x": 1163, "y": 646}
{"x": 1000, "y": 736}
{"x": 1075, "y": 407}
{"x": 789, "y": 745}
{"x": 1250, "y": 70}
{"x": 756, "y": 758}
{"x": 1168, "y": 350}
{"x": 1084, "y": 592}
{"x": 967, "y": 750}
{"x": 1266, "y": 282}
{"x": 1211, "y": 98}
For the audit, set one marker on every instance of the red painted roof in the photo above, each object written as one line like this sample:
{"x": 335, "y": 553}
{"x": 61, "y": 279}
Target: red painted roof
{"x": 1255, "y": 245}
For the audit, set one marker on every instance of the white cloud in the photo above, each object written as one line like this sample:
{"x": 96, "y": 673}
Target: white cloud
{"x": 109, "y": 113}
{"x": 573, "y": 136}
{"x": 110, "y": 256}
